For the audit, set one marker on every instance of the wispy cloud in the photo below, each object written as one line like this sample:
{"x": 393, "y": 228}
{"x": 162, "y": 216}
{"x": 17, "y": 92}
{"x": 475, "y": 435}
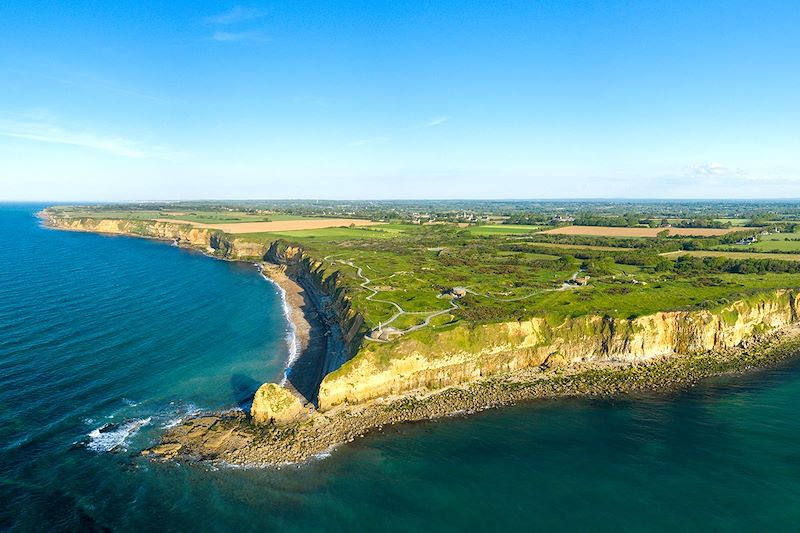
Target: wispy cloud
{"x": 49, "y": 132}
{"x": 235, "y": 15}
{"x": 231, "y": 37}
{"x": 432, "y": 123}
{"x": 710, "y": 170}
{"x": 371, "y": 140}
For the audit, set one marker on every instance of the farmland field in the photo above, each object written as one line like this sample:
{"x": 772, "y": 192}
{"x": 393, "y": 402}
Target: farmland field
{"x": 779, "y": 242}
{"x": 732, "y": 255}
{"x": 503, "y": 229}
{"x": 278, "y": 225}
{"x": 610, "y": 231}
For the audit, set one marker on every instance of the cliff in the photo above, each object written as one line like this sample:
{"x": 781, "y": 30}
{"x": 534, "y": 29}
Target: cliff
{"x": 210, "y": 241}
{"x": 328, "y": 296}
{"x": 427, "y": 360}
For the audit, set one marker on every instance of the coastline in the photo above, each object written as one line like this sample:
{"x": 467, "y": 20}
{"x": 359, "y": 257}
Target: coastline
{"x": 231, "y": 439}
{"x": 291, "y": 294}
{"x": 297, "y": 307}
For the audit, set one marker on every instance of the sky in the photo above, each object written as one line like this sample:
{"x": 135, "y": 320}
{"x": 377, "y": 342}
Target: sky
{"x": 153, "y": 100}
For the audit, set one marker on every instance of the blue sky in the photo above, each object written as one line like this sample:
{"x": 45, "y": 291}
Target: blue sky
{"x": 402, "y": 99}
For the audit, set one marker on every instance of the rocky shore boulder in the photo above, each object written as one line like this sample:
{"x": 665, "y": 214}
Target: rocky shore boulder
{"x": 276, "y": 404}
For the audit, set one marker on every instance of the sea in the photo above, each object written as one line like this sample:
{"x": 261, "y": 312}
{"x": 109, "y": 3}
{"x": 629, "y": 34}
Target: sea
{"x": 106, "y": 341}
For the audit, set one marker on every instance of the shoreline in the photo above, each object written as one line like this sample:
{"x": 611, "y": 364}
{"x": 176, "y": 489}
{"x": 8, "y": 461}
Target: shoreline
{"x": 231, "y": 439}
{"x": 297, "y": 336}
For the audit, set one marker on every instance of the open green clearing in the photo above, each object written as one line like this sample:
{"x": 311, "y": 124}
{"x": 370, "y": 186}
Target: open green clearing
{"x": 384, "y": 231}
{"x": 504, "y": 229}
{"x": 733, "y": 255}
{"x": 508, "y": 279}
{"x": 778, "y": 242}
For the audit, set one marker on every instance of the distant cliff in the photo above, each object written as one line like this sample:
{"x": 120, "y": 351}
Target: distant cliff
{"x": 210, "y": 241}
{"x": 433, "y": 360}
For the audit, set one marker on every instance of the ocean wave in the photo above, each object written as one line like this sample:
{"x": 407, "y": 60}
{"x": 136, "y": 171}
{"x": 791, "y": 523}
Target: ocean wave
{"x": 113, "y": 436}
{"x": 191, "y": 410}
{"x": 292, "y": 342}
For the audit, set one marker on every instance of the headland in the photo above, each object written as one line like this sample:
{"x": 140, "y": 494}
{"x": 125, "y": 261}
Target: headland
{"x": 349, "y": 375}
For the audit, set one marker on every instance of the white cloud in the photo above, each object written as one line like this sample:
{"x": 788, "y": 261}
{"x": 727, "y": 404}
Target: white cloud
{"x": 230, "y": 37}
{"x": 235, "y": 15}
{"x": 432, "y": 123}
{"x": 371, "y": 140}
{"x": 51, "y": 133}
{"x": 710, "y": 169}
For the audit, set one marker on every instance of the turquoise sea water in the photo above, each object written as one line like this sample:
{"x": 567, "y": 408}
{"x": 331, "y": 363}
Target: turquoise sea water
{"x": 133, "y": 333}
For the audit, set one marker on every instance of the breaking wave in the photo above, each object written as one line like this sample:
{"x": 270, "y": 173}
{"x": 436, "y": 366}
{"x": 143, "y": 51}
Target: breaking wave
{"x": 292, "y": 343}
{"x": 113, "y": 436}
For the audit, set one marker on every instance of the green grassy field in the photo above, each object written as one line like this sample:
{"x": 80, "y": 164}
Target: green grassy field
{"x": 413, "y": 265}
{"x": 733, "y": 255}
{"x": 383, "y": 231}
{"x": 503, "y": 229}
{"x": 738, "y": 222}
{"x": 777, "y": 242}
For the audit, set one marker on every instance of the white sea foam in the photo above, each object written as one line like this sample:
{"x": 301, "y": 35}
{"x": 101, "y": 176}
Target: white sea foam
{"x": 191, "y": 410}
{"x": 292, "y": 342}
{"x": 106, "y": 438}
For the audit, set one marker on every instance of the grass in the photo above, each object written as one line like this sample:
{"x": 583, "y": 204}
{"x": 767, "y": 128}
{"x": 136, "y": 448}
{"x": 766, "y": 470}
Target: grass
{"x": 778, "y": 242}
{"x": 503, "y": 229}
{"x": 580, "y": 247}
{"x": 509, "y": 276}
{"x": 738, "y": 222}
{"x": 199, "y": 216}
{"x": 732, "y": 255}
{"x": 325, "y": 234}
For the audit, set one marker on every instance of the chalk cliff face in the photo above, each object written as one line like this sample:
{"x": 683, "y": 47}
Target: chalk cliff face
{"x": 328, "y": 294}
{"x": 429, "y": 360}
{"x": 211, "y": 241}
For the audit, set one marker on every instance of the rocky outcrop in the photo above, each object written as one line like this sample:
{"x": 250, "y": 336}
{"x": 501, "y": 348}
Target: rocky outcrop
{"x": 426, "y": 360}
{"x": 274, "y": 404}
{"x": 210, "y": 241}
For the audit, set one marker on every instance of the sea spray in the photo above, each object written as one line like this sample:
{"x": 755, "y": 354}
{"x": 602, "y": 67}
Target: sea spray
{"x": 114, "y": 436}
{"x": 292, "y": 342}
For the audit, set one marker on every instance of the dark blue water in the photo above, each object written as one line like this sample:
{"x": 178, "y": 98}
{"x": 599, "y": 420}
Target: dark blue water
{"x": 110, "y": 330}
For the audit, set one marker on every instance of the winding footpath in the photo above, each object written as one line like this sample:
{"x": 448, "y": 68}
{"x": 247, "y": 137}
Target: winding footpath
{"x": 429, "y": 315}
